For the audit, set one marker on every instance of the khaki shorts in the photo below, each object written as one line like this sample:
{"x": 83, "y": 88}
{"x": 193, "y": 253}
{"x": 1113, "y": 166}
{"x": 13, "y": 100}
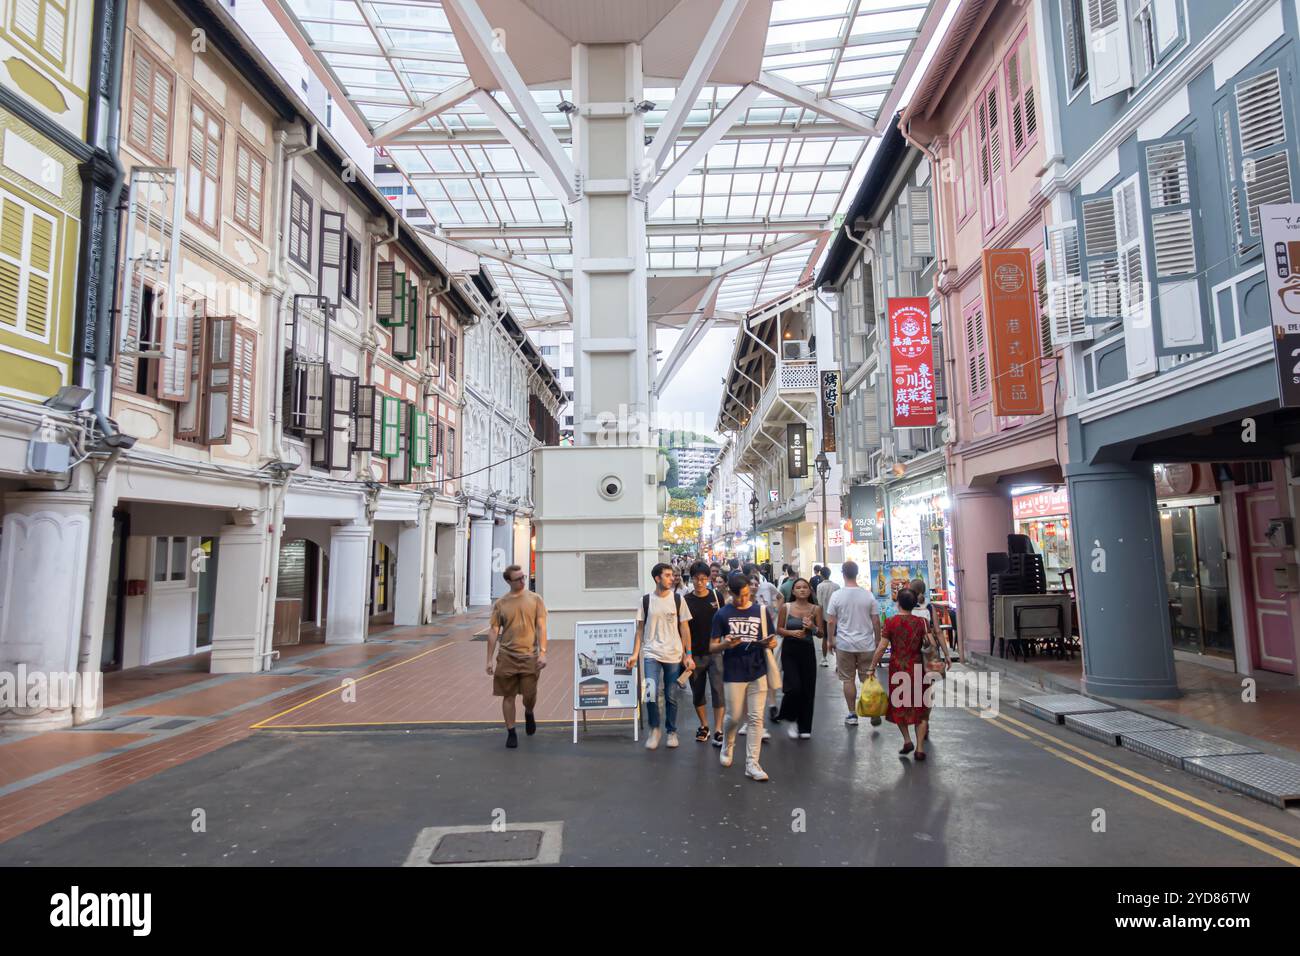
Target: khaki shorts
{"x": 512, "y": 677}
{"x": 849, "y": 662}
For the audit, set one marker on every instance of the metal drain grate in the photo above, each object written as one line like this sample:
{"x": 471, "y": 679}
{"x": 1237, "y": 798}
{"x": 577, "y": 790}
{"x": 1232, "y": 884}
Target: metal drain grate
{"x": 111, "y": 723}
{"x": 1172, "y": 747}
{"x": 1257, "y": 775}
{"x": 488, "y": 846}
{"x": 1108, "y": 727}
{"x": 518, "y": 844}
{"x": 1054, "y": 707}
{"x": 173, "y": 724}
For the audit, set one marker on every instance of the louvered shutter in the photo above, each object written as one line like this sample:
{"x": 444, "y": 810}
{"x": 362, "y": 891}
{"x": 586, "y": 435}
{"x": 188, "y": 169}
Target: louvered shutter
{"x": 405, "y": 339}
{"x": 1139, "y": 335}
{"x": 255, "y": 173}
{"x": 40, "y": 275}
{"x": 1015, "y": 107}
{"x": 315, "y": 376}
{"x": 419, "y": 442}
{"x": 243, "y": 395}
{"x": 391, "y": 438}
{"x": 218, "y": 374}
{"x": 189, "y": 413}
{"x": 1264, "y": 144}
{"x": 332, "y": 261}
{"x": 1065, "y": 290}
{"x": 922, "y": 237}
{"x": 1110, "y": 68}
{"x": 977, "y": 369}
{"x": 243, "y": 165}
{"x": 160, "y": 123}
{"x": 399, "y": 465}
{"x": 1041, "y": 300}
{"x": 1168, "y": 179}
{"x": 385, "y": 297}
{"x": 366, "y": 431}
{"x": 343, "y": 421}
{"x": 142, "y": 85}
{"x": 1101, "y": 260}
{"x": 992, "y": 159}
{"x": 174, "y": 369}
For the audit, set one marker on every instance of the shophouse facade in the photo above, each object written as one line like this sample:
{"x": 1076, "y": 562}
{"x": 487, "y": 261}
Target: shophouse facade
{"x": 894, "y": 479}
{"x": 1175, "y": 125}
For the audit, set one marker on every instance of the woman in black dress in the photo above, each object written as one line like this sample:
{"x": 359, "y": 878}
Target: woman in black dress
{"x": 799, "y": 624}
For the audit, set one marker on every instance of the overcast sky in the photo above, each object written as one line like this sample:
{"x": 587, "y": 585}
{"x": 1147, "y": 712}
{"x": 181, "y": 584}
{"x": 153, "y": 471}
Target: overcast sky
{"x": 693, "y": 396}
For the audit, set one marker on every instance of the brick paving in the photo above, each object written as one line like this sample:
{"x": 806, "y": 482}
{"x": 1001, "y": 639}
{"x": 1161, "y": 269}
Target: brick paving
{"x": 219, "y": 699}
{"x": 41, "y": 752}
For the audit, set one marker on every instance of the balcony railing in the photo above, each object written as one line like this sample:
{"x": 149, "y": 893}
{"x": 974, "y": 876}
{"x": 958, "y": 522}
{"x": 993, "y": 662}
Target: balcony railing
{"x": 793, "y": 379}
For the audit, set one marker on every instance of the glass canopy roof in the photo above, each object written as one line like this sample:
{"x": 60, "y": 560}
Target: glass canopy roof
{"x": 781, "y": 169}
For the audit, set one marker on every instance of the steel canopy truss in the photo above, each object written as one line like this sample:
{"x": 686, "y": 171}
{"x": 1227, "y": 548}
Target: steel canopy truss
{"x": 732, "y": 168}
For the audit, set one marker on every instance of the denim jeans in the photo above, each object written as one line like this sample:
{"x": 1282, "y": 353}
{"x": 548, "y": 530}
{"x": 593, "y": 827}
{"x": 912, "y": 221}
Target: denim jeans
{"x": 660, "y": 676}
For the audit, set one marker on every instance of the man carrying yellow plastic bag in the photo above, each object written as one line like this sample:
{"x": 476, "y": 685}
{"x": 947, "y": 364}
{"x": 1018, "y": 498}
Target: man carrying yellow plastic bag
{"x": 852, "y": 621}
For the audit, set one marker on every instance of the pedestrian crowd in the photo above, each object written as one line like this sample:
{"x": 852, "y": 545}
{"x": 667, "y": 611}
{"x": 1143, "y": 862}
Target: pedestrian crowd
{"x": 736, "y": 639}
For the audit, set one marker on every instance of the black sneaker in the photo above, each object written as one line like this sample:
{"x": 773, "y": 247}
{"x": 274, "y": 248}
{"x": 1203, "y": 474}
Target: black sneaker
{"x": 530, "y": 723}
{"x": 717, "y": 738}
{"x": 702, "y": 735}
{"x": 512, "y": 741}
{"x": 875, "y": 721}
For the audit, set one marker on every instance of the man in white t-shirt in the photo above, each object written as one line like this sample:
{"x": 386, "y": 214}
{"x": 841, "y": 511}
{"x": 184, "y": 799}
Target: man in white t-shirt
{"x": 661, "y": 627}
{"x": 852, "y": 620}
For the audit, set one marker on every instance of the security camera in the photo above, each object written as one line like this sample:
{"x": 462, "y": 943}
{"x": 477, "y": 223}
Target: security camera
{"x": 610, "y": 487}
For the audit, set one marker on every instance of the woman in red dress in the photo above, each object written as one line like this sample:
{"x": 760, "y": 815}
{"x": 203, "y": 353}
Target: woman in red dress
{"x": 905, "y": 633}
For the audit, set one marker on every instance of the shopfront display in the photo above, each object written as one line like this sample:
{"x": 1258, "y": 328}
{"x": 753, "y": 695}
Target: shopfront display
{"x": 1044, "y": 517}
{"x": 919, "y": 527}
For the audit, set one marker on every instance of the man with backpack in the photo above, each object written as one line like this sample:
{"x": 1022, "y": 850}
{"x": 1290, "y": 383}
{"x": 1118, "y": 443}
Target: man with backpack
{"x": 662, "y": 621}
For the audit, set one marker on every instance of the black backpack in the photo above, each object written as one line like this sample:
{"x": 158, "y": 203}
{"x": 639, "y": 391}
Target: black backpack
{"x": 645, "y": 607}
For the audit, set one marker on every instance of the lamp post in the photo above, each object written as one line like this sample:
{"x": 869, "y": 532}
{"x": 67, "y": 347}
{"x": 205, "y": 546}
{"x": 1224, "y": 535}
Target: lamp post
{"x": 823, "y": 465}
{"x": 753, "y": 521}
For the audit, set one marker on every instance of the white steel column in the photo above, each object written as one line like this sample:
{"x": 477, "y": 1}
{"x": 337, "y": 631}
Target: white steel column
{"x": 503, "y": 554}
{"x": 42, "y": 585}
{"x": 480, "y": 561}
{"x": 610, "y": 324}
{"x": 349, "y": 584}
{"x": 238, "y": 614}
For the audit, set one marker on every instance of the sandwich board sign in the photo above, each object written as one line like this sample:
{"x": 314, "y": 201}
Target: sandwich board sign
{"x": 604, "y": 674}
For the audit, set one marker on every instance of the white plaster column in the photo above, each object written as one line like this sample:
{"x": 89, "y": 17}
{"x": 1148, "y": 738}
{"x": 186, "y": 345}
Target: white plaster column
{"x": 503, "y": 554}
{"x": 408, "y": 593}
{"x": 480, "y": 561}
{"x": 349, "y": 584}
{"x": 42, "y": 589}
{"x": 239, "y": 614}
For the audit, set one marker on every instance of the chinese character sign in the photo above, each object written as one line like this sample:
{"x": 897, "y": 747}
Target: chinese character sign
{"x": 796, "y": 450}
{"x": 912, "y": 363}
{"x": 1015, "y": 337}
{"x": 830, "y": 406}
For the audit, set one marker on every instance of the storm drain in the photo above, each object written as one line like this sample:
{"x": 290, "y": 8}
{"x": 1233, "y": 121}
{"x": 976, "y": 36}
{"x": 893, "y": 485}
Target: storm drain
{"x": 518, "y": 844}
{"x": 111, "y": 723}
{"x": 1257, "y": 775}
{"x": 173, "y": 724}
{"x": 1109, "y": 726}
{"x": 1055, "y": 707}
{"x": 1173, "y": 747}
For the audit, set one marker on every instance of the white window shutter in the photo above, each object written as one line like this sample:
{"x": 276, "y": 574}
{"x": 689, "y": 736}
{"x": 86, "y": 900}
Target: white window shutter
{"x": 1139, "y": 333}
{"x": 922, "y": 237}
{"x": 1110, "y": 67}
{"x": 174, "y": 368}
{"x": 1166, "y": 24}
{"x": 332, "y": 256}
{"x": 1065, "y": 300}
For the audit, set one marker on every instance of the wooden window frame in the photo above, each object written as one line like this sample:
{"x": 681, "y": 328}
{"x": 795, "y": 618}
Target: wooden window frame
{"x": 1017, "y": 50}
{"x": 196, "y": 102}
{"x": 155, "y": 69}
{"x": 300, "y": 228}
{"x": 254, "y": 156}
{"x": 351, "y": 268}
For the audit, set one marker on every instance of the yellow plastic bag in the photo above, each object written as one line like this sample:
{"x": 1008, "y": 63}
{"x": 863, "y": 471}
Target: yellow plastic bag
{"x": 872, "y": 701}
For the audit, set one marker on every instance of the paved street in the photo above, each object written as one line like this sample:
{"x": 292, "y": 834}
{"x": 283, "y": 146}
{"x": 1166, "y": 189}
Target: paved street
{"x": 1011, "y": 791}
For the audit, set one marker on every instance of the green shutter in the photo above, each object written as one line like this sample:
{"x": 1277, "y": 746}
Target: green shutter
{"x": 392, "y": 436}
{"x": 419, "y": 443}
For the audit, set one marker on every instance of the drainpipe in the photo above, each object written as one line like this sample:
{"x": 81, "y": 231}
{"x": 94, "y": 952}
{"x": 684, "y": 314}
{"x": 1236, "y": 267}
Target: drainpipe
{"x": 280, "y": 251}
{"x": 91, "y": 647}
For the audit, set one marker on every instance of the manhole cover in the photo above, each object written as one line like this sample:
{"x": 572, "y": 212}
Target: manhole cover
{"x": 488, "y": 846}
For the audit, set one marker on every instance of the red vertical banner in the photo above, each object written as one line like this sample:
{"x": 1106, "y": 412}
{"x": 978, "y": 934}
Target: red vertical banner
{"x": 1015, "y": 342}
{"x": 911, "y": 355}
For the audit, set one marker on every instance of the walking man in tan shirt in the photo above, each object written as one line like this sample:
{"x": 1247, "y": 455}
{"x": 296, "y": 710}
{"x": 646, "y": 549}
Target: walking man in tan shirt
{"x": 518, "y": 624}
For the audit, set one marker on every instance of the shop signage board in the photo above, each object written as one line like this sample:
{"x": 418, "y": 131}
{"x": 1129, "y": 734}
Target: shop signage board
{"x": 1040, "y": 504}
{"x": 830, "y": 407}
{"x": 862, "y": 511}
{"x": 604, "y": 674}
{"x": 911, "y": 363}
{"x": 892, "y": 576}
{"x": 1015, "y": 343}
{"x": 796, "y": 450}
{"x": 1280, "y": 233}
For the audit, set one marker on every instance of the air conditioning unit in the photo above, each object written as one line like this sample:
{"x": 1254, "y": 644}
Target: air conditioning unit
{"x": 792, "y": 351}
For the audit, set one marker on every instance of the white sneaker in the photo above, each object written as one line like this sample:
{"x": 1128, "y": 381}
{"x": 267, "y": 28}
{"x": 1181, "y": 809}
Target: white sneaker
{"x": 673, "y": 741}
{"x": 744, "y": 730}
{"x": 756, "y": 772}
{"x": 767, "y": 734}
{"x": 805, "y": 736}
{"x": 826, "y": 662}
{"x": 851, "y": 720}
{"x": 793, "y": 731}
{"x": 724, "y": 757}
{"x": 652, "y": 742}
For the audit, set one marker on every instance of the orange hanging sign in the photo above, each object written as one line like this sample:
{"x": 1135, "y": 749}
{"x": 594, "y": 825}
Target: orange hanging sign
{"x": 1015, "y": 343}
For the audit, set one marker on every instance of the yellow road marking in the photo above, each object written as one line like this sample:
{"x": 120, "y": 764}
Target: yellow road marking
{"x": 357, "y": 680}
{"x": 1167, "y": 804}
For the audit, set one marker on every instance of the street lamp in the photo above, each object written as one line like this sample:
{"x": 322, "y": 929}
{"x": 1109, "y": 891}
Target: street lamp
{"x": 753, "y": 520}
{"x": 823, "y": 465}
